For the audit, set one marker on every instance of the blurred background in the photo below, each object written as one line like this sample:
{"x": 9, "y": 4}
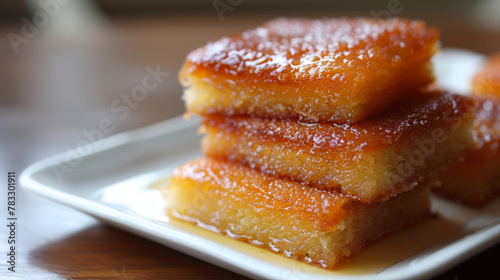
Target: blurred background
{"x": 67, "y": 64}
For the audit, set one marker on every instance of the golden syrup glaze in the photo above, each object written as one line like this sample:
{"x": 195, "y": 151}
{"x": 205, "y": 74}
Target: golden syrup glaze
{"x": 424, "y": 112}
{"x": 321, "y": 209}
{"x": 316, "y": 53}
{"x": 342, "y": 70}
{"x": 487, "y": 80}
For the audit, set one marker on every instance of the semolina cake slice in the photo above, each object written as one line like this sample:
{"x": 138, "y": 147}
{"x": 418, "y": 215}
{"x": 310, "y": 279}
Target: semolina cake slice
{"x": 339, "y": 70}
{"x": 476, "y": 180}
{"x": 300, "y": 222}
{"x": 487, "y": 80}
{"x": 371, "y": 161}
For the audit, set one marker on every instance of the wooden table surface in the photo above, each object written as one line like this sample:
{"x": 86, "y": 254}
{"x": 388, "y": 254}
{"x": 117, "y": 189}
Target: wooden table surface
{"x": 61, "y": 83}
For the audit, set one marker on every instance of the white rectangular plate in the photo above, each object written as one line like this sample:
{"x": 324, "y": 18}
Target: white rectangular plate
{"x": 116, "y": 180}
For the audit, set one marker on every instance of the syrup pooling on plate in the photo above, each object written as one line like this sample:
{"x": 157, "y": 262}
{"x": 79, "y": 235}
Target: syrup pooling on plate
{"x": 302, "y": 222}
{"x": 342, "y": 70}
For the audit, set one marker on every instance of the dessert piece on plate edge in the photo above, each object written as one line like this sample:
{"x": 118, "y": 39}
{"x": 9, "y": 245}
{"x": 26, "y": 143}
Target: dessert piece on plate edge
{"x": 476, "y": 180}
{"x": 305, "y": 223}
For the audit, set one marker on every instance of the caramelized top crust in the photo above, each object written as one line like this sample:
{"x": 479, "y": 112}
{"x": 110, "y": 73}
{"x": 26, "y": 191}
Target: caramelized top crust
{"x": 487, "y": 81}
{"x": 487, "y": 124}
{"x": 337, "y": 52}
{"x": 240, "y": 184}
{"x": 422, "y": 113}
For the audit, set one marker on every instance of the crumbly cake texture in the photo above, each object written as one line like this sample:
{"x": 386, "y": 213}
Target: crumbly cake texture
{"x": 297, "y": 221}
{"x": 476, "y": 180}
{"x": 487, "y": 80}
{"x": 370, "y": 161}
{"x": 339, "y": 70}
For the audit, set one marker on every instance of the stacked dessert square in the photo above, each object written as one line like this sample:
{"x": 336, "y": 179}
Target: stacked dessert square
{"x": 476, "y": 180}
{"x": 319, "y": 134}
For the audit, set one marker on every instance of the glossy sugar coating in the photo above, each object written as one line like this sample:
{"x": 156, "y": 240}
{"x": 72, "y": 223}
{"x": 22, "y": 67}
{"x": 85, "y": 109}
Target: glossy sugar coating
{"x": 297, "y": 221}
{"x": 476, "y": 180}
{"x": 371, "y": 161}
{"x": 340, "y": 70}
{"x": 487, "y": 80}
